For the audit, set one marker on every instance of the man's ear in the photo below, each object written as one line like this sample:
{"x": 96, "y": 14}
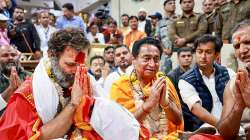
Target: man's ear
{"x": 217, "y": 54}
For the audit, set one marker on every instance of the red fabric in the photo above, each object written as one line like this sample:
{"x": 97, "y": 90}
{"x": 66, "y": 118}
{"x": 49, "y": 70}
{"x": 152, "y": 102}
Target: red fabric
{"x": 118, "y": 35}
{"x": 205, "y": 137}
{"x": 86, "y": 108}
{"x": 82, "y": 118}
{"x": 144, "y": 133}
{"x": 18, "y": 119}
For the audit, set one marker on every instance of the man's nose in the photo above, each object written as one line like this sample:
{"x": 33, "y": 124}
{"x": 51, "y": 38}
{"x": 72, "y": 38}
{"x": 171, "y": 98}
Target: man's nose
{"x": 11, "y": 57}
{"x": 203, "y": 55}
{"x": 151, "y": 63}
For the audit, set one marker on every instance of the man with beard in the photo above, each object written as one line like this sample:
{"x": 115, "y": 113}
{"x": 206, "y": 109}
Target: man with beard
{"x": 23, "y": 34}
{"x": 58, "y": 102}
{"x": 235, "y": 118}
{"x": 239, "y": 10}
{"x": 96, "y": 66}
{"x": 11, "y": 73}
{"x": 144, "y": 24}
{"x": 109, "y": 61}
{"x": 134, "y": 34}
{"x": 125, "y": 24}
{"x": 123, "y": 59}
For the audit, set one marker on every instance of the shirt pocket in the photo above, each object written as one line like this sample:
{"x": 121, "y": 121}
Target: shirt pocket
{"x": 180, "y": 26}
{"x": 193, "y": 25}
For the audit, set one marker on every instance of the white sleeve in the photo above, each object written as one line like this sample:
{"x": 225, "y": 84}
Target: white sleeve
{"x": 3, "y": 103}
{"x": 102, "y": 41}
{"x": 188, "y": 94}
{"x": 121, "y": 126}
{"x": 108, "y": 85}
{"x": 97, "y": 88}
{"x": 231, "y": 73}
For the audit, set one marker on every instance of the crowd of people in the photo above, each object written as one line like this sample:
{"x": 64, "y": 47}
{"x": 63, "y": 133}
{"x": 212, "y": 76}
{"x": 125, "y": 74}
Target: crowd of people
{"x": 161, "y": 76}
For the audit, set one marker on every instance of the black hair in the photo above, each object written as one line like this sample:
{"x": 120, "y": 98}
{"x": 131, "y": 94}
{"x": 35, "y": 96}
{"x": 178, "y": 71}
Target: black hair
{"x": 147, "y": 40}
{"x": 182, "y": 0}
{"x": 51, "y": 14}
{"x": 125, "y": 15}
{"x": 120, "y": 46}
{"x": 72, "y": 37}
{"x": 68, "y": 6}
{"x": 108, "y": 47}
{"x": 184, "y": 49}
{"x": 166, "y": 1}
{"x": 209, "y": 38}
{"x": 18, "y": 7}
{"x": 92, "y": 24}
{"x": 243, "y": 24}
{"x": 96, "y": 57}
{"x": 113, "y": 22}
{"x": 133, "y": 17}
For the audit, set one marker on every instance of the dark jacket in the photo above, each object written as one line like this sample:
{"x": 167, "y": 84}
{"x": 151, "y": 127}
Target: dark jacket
{"x": 26, "y": 36}
{"x": 148, "y": 27}
{"x": 193, "y": 77}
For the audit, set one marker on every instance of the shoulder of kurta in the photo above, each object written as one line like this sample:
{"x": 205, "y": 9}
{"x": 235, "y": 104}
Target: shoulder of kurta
{"x": 122, "y": 85}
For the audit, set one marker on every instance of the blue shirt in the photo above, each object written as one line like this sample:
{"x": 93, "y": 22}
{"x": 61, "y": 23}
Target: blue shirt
{"x": 76, "y": 21}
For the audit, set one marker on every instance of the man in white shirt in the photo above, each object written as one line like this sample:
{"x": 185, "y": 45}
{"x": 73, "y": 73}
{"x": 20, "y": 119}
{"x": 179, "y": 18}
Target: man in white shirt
{"x": 44, "y": 30}
{"x": 123, "y": 59}
{"x": 97, "y": 63}
{"x": 202, "y": 87}
{"x": 93, "y": 35}
{"x": 144, "y": 24}
{"x": 59, "y": 100}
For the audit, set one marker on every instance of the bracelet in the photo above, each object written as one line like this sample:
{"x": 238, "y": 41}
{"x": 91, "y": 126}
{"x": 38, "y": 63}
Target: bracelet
{"x": 144, "y": 110}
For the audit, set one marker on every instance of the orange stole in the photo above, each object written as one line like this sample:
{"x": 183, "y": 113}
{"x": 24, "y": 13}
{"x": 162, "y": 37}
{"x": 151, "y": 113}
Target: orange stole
{"x": 82, "y": 119}
{"x": 122, "y": 93}
{"x": 26, "y": 92}
{"x": 21, "y": 121}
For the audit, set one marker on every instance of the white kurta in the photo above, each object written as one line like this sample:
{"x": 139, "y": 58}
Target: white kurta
{"x": 110, "y": 120}
{"x": 190, "y": 96}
